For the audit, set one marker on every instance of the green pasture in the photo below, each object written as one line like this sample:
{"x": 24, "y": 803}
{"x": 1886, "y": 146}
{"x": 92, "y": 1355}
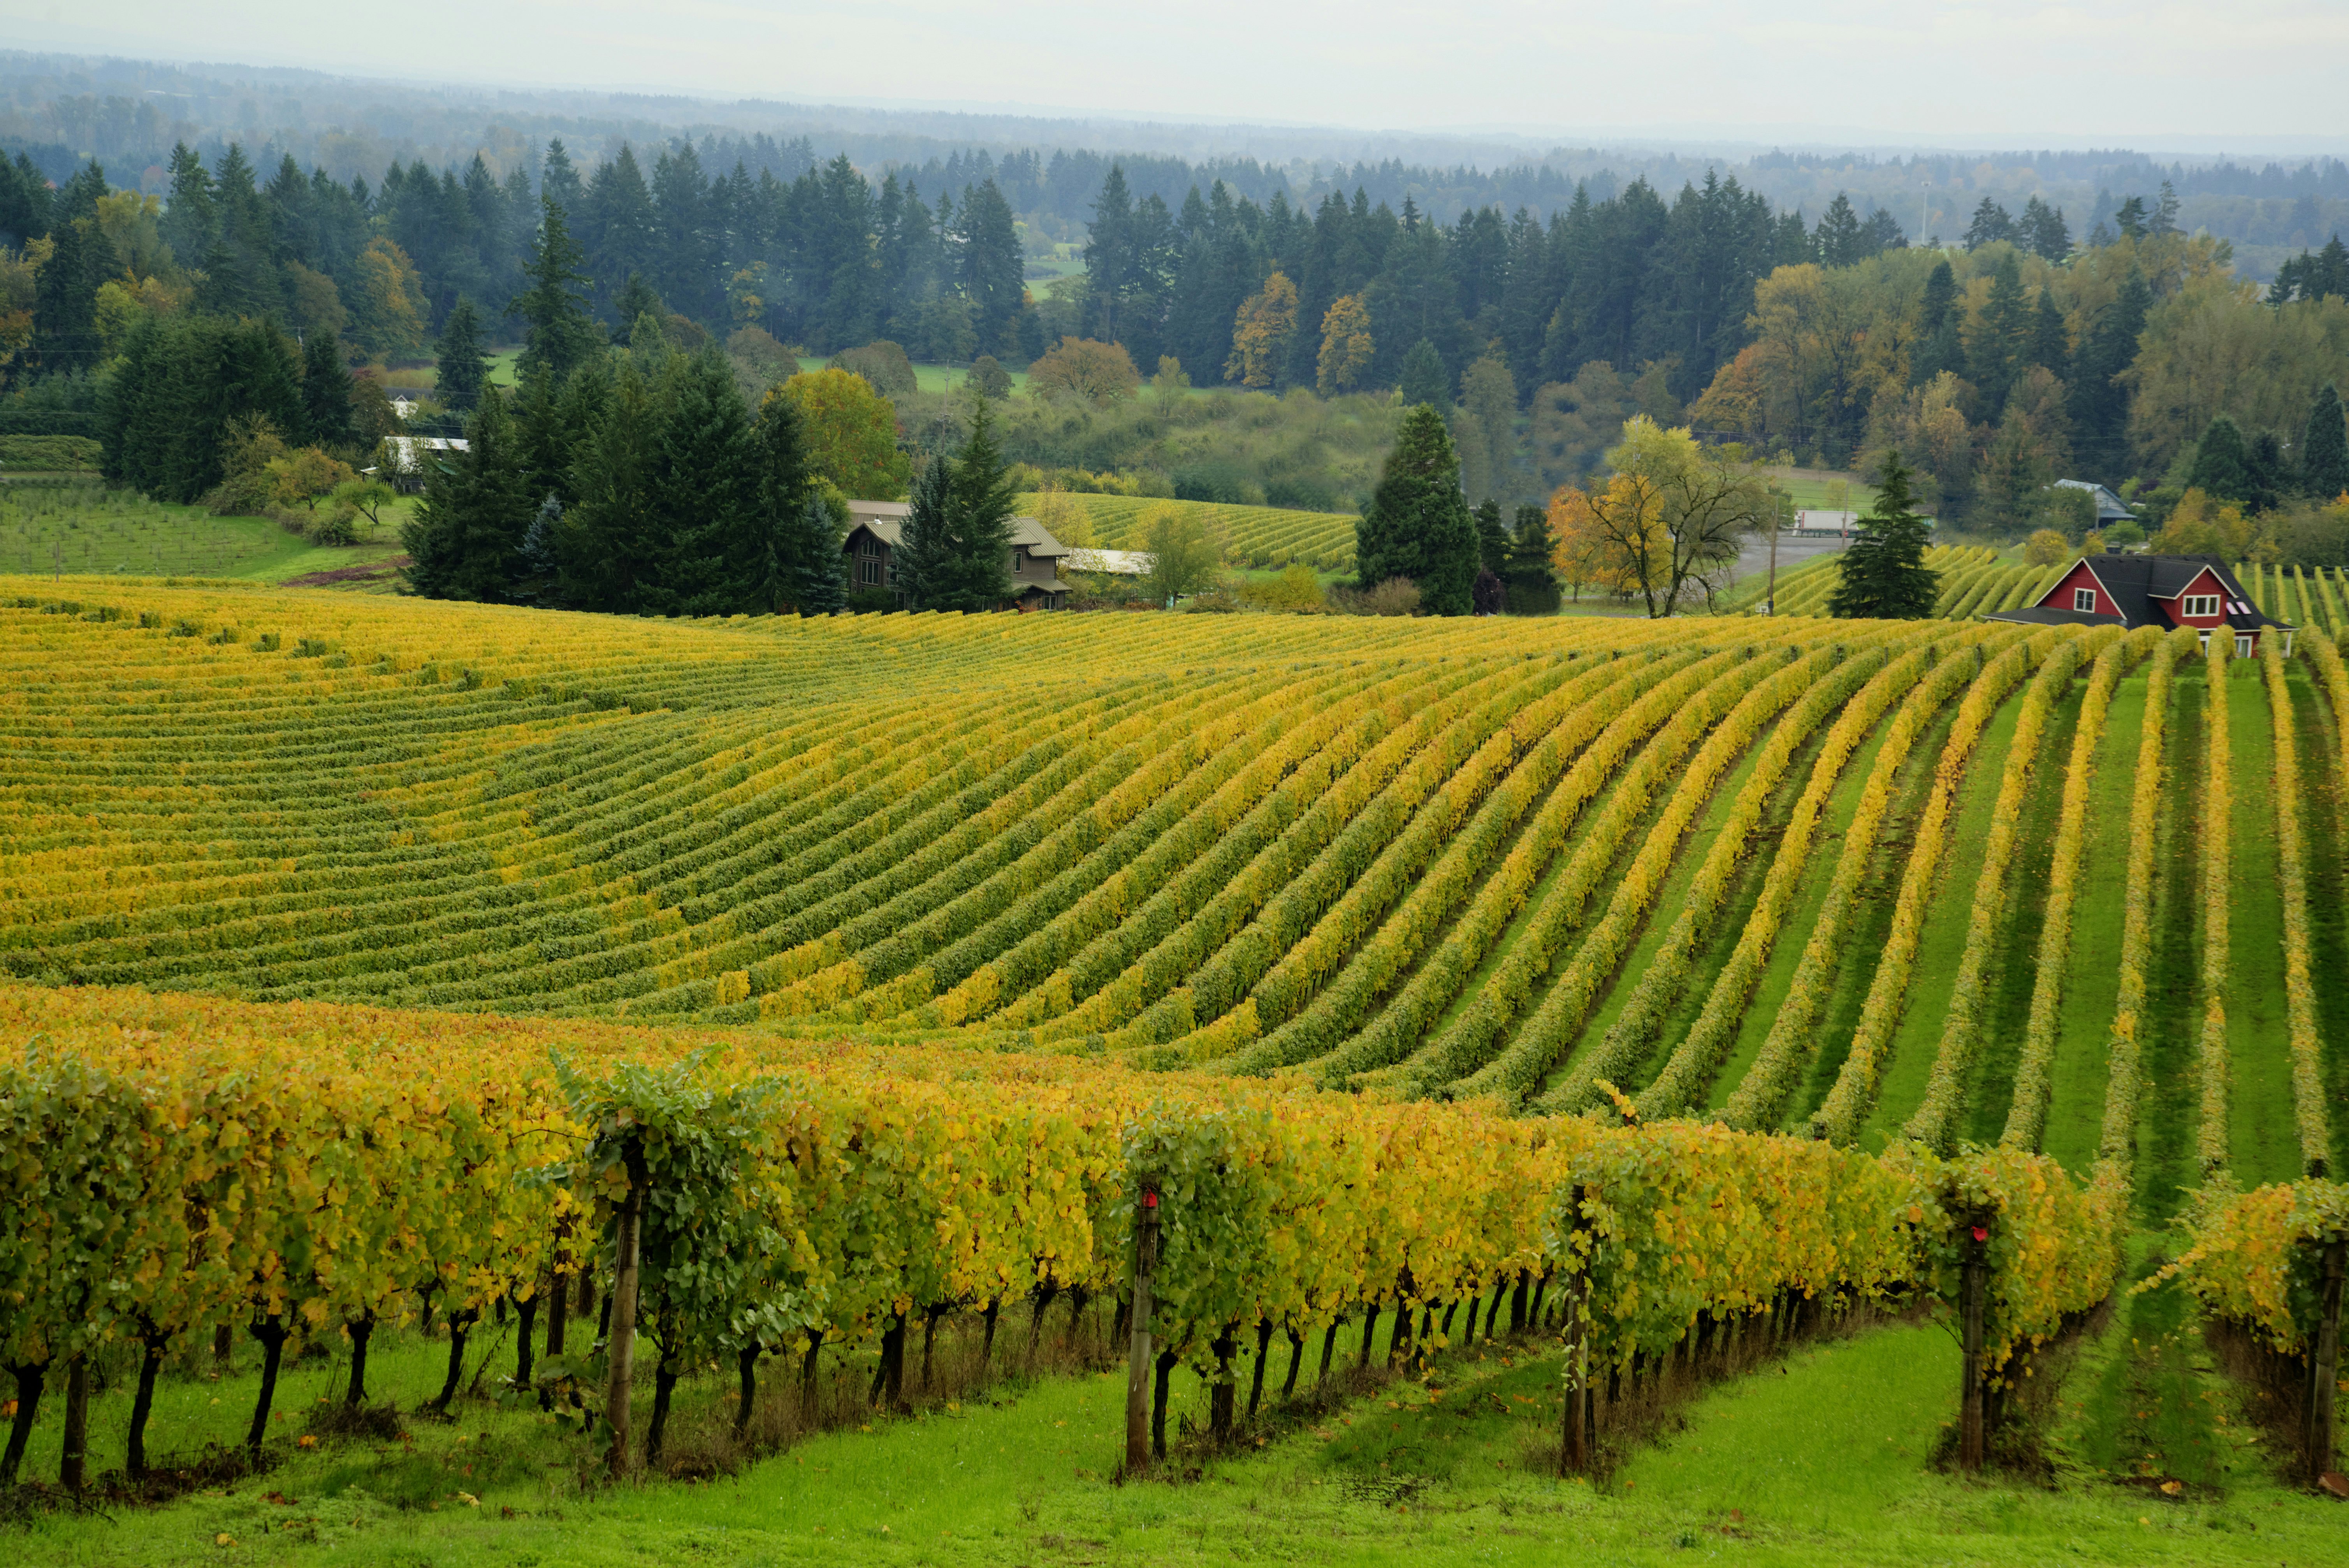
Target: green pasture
{"x": 87, "y": 531}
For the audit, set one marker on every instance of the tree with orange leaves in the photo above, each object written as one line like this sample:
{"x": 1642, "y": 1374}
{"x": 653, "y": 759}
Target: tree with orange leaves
{"x": 1668, "y": 521}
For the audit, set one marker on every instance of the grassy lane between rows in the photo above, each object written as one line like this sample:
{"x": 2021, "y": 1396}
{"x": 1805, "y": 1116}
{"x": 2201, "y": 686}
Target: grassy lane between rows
{"x": 2170, "y": 1100}
{"x": 2012, "y": 974}
{"x": 2092, "y": 975}
{"x": 1786, "y": 953}
{"x": 2324, "y": 830}
{"x": 1823, "y": 1459}
{"x": 1877, "y": 897}
{"x": 1916, "y": 1039}
{"x": 2262, "y": 1138}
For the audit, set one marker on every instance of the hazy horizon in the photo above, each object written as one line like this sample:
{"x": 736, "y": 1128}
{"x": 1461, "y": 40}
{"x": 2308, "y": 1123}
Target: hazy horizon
{"x": 2259, "y": 79}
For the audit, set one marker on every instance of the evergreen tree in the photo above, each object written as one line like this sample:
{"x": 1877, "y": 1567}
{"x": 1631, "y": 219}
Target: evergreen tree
{"x": 712, "y": 552}
{"x": 818, "y": 580}
{"x": 2043, "y": 231}
{"x": 1486, "y": 596}
{"x": 461, "y": 371}
{"x": 2002, "y": 337}
{"x": 2325, "y": 448}
{"x": 465, "y": 540}
{"x": 535, "y": 584}
{"x": 2051, "y": 346}
{"x": 1424, "y": 380}
{"x": 1884, "y": 573}
{"x": 326, "y": 391}
{"x": 972, "y": 571}
{"x": 2223, "y": 468}
{"x": 612, "y": 552}
{"x": 558, "y": 332}
{"x": 2100, "y": 403}
{"x": 1839, "y": 234}
{"x": 796, "y": 543}
{"x": 1493, "y": 543}
{"x": 1992, "y": 223}
{"x": 1533, "y": 584}
{"x": 990, "y": 266}
{"x": 1938, "y": 345}
{"x": 638, "y": 299}
{"x": 1417, "y": 524}
{"x": 922, "y": 556}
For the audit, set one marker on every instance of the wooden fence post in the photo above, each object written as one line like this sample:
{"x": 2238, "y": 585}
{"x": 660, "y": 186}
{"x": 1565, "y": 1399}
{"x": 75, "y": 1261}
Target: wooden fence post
{"x": 1138, "y": 1358}
{"x": 1973, "y": 1290}
{"x": 2324, "y": 1363}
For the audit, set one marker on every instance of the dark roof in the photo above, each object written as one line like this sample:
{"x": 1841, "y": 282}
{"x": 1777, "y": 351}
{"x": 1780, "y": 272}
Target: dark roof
{"x": 2135, "y": 583}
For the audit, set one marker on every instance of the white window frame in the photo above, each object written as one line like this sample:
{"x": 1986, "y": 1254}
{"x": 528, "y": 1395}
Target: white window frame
{"x": 2242, "y": 645}
{"x": 2085, "y": 600}
{"x": 2201, "y": 604}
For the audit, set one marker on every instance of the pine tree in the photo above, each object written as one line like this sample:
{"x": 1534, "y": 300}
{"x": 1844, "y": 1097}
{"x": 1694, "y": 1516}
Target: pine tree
{"x": 794, "y": 543}
{"x": 534, "y": 581}
{"x": 818, "y": 584}
{"x": 559, "y": 332}
{"x": 1884, "y": 573}
{"x": 1533, "y": 585}
{"x": 712, "y": 555}
{"x": 2223, "y": 468}
{"x": 1938, "y": 345}
{"x": 1493, "y": 544}
{"x": 465, "y": 540}
{"x": 921, "y": 558}
{"x": 1992, "y": 223}
{"x": 2051, "y": 346}
{"x": 1838, "y": 233}
{"x": 326, "y": 391}
{"x": 2001, "y": 336}
{"x": 973, "y": 571}
{"x": 612, "y": 555}
{"x": 460, "y": 370}
{"x": 2325, "y": 448}
{"x": 1417, "y": 524}
{"x": 1424, "y": 380}
{"x": 638, "y": 299}
{"x": 2100, "y": 404}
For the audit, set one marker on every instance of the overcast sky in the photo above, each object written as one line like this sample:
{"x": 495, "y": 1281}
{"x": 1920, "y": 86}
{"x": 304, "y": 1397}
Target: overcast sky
{"x": 2246, "y": 75}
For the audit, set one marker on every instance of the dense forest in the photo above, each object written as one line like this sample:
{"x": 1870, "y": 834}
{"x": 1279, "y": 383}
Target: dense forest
{"x": 2036, "y": 345}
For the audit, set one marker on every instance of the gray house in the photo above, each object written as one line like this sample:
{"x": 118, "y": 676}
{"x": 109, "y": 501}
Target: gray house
{"x": 2110, "y": 508}
{"x": 877, "y": 532}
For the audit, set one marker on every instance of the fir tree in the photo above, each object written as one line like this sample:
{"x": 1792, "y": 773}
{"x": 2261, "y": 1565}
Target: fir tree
{"x": 1417, "y": 524}
{"x": 612, "y": 559}
{"x": 2325, "y": 448}
{"x": 2223, "y": 468}
{"x": 534, "y": 581}
{"x": 712, "y": 555}
{"x": 1938, "y": 345}
{"x": 1533, "y": 584}
{"x": 2099, "y": 402}
{"x": 559, "y": 332}
{"x": 1884, "y": 573}
{"x": 971, "y": 570}
{"x": 818, "y": 580}
{"x": 460, "y": 370}
{"x": 1424, "y": 380}
{"x": 925, "y": 542}
{"x": 638, "y": 299}
{"x": 465, "y": 540}
{"x": 2051, "y": 346}
{"x": 1486, "y": 596}
{"x": 326, "y": 391}
{"x": 1493, "y": 543}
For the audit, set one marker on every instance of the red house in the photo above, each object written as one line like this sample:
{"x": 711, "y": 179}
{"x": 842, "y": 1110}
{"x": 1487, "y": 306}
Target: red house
{"x": 2135, "y": 591}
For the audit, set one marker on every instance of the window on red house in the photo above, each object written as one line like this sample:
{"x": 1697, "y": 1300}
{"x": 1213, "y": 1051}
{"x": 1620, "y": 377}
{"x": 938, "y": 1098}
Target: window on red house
{"x": 2201, "y": 604}
{"x": 2084, "y": 599}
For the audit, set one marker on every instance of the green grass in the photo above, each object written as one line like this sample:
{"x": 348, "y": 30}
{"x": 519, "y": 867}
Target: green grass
{"x": 1915, "y": 1039}
{"x": 2092, "y": 964}
{"x": 2169, "y": 1107}
{"x": 2263, "y": 1139}
{"x": 928, "y": 378}
{"x": 103, "y": 534}
{"x": 1809, "y": 488}
{"x": 1823, "y": 1459}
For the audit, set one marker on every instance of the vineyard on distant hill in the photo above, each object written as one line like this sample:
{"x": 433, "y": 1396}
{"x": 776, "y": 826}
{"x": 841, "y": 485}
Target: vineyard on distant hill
{"x": 1860, "y": 877}
{"x": 1251, "y": 535}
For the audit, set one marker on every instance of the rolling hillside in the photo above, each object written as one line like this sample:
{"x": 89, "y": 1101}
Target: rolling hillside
{"x": 1859, "y": 878}
{"x": 1251, "y": 535}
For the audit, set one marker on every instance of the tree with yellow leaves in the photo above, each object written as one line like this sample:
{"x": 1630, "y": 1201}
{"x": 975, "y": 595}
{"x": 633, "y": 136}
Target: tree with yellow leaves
{"x": 1260, "y": 332}
{"x": 1346, "y": 346}
{"x": 1668, "y": 523}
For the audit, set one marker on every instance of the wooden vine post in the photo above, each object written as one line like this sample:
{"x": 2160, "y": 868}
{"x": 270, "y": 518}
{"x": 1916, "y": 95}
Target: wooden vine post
{"x": 1574, "y": 1451}
{"x": 1973, "y": 1301}
{"x": 1138, "y": 1356}
{"x": 2324, "y": 1363}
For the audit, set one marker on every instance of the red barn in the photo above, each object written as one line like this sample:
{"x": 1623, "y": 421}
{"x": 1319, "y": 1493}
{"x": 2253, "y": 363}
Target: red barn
{"x": 2152, "y": 591}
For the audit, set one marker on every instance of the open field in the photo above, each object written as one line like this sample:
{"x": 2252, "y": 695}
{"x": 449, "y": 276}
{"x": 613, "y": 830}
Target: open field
{"x": 83, "y": 531}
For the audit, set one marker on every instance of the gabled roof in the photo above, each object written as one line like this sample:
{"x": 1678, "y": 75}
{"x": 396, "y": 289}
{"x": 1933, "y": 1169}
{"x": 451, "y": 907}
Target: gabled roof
{"x": 886, "y": 521}
{"x": 2140, "y": 585}
{"x": 2110, "y": 508}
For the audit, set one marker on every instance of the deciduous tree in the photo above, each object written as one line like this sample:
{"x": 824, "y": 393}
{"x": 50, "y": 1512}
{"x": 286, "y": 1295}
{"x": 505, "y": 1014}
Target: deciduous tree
{"x": 1260, "y": 332}
{"x": 1346, "y": 345}
{"x": 851, "y": 433}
